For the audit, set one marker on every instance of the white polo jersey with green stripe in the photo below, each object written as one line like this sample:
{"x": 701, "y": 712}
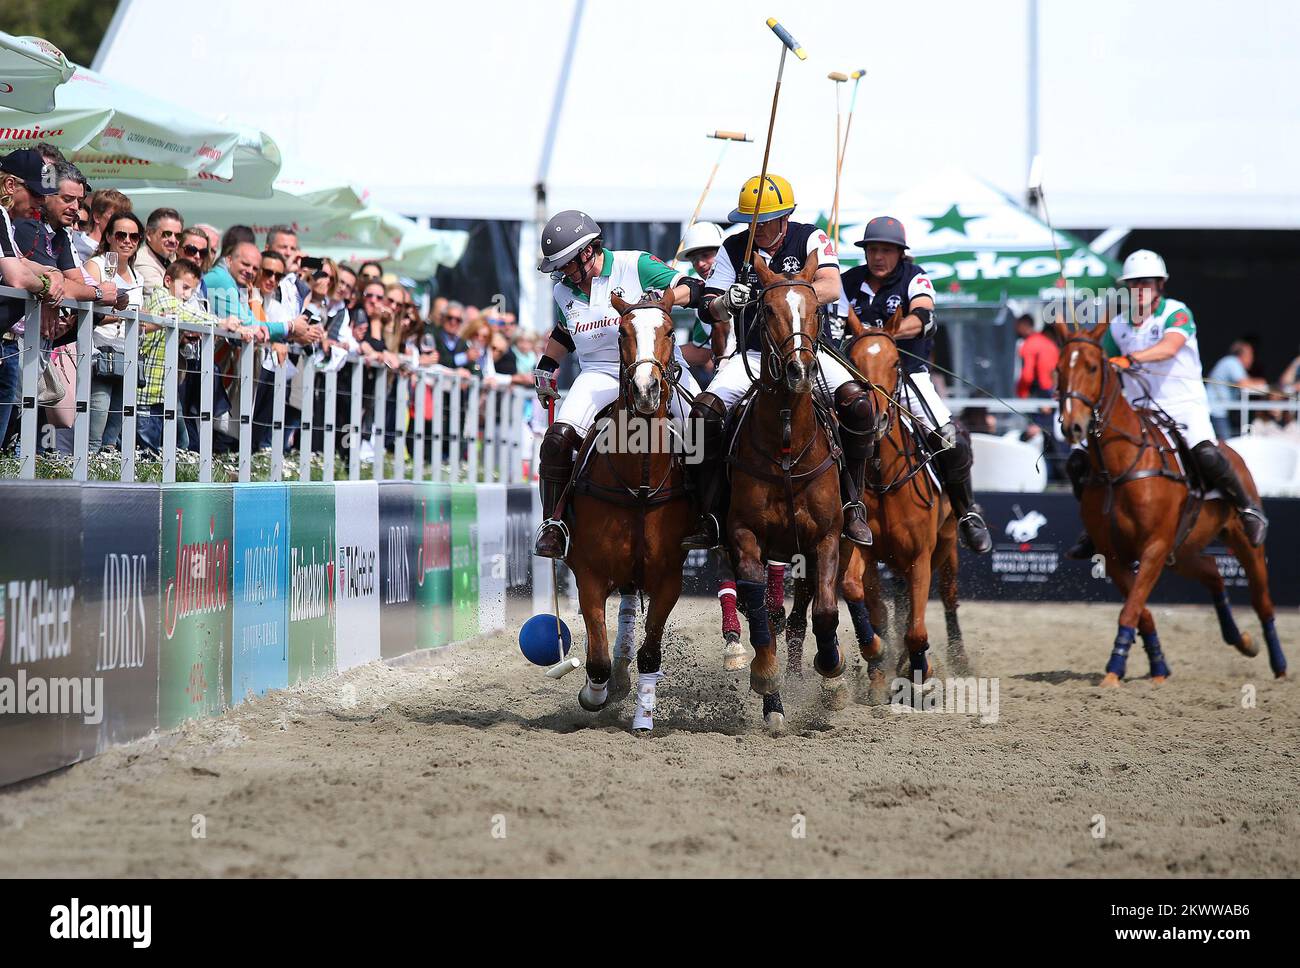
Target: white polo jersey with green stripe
{"x": 593, "y": 323}
{"x": 1175, "y": 381}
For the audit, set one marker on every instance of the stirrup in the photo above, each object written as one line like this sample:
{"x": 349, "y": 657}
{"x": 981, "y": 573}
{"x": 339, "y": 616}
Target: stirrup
{"x": 973, "y": 519}
{"x": 844, "y": 532}
{"x": 711, "y": 528}
{"x": 564, "y": 532}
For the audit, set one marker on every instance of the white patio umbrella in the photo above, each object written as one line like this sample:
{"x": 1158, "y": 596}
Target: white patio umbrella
{"x": 30, "y": 70}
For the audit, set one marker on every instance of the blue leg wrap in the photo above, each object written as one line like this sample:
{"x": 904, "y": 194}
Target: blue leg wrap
{"x": 1227, "y": 624}
{"x": 917, "y": 659}
{"x": 772, "y": 704}
{"x": 1152, "y": 644}
{"x": 861, "y": 619}
{"x": 1276, "y": 660}
{"x": 750, "y": 594}
{"x": 1119, "y": 654}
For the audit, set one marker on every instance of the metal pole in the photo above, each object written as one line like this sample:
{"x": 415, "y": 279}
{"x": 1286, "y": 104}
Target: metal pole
{"x": 277, "y": 422}
{"x": 246, "y": 354}
{"x": 354, "y": 420}
{"x": 381, "y": 409}
{"x": 308, "y": 409}
{"x": 331, "y": 414}
{"x": 130, "y": 393}
{"x": 205, "y": 375}
{"x": 171, "y": 377}
{"x": 29, "y": 348}
{"x": 85, "y": 363}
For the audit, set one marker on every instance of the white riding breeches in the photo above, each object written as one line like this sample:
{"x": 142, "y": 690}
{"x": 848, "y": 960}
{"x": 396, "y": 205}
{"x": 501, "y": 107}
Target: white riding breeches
{"x": 930, "y": 395}
{"x": 597, "y": 386}
{"x": 1193, "y": 420}
{"x": 733, "y": 380}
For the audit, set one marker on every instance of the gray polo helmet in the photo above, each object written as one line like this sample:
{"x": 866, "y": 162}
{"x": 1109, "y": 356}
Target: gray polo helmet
{"x": 883, "y": 228}
{"x": 564, "y": 236}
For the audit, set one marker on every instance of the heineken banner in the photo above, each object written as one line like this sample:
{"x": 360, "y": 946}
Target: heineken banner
{"x": 259, "y": 618}
{"x": 118, "y": 603}
{"x": 491, "y": 518}
{"x": 194, "y": 665}
{"x": 51, "y": 702}
{"x": 399, "y": 544}
{"x": 356, "y": 570}
{"x": 311, "y": 582}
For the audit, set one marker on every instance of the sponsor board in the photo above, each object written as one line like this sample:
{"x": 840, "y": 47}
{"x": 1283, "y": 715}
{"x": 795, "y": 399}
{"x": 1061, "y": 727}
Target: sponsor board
{"x": 194, "y": 602}
{"x": 521, "y": 524}
{"x": 464, "y": 561}
{"x": 311, "y": 611}
{"x": 433, "y": 580}
{"x": 399, "y": 542}
{"x": 259, "y": 645}
{"x": 118, "y": 604}
{"x": 492, "y": 556}
{"x": 356, "y": 572}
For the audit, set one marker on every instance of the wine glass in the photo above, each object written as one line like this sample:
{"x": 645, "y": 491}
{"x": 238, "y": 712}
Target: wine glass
{"x": 110, "y": 263}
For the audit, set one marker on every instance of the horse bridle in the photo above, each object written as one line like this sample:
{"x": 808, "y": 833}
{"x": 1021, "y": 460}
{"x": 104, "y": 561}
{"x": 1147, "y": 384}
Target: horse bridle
{"x": 1101, "y": 407}
{"x": 669, "y": 376}
{"x": 780, "y": 356}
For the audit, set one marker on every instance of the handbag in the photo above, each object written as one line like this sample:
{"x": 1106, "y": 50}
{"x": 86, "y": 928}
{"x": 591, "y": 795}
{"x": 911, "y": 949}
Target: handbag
{"x": 60, "y": 411}
{"x": 110, "y": 363}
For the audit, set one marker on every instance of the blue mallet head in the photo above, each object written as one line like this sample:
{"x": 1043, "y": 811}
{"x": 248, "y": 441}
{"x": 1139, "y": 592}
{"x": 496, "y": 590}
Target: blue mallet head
{"x": 537, "y": 640}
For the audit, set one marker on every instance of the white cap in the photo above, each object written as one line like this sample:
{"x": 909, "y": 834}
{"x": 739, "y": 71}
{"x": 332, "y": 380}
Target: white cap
{"x": 1143, "y": 264}
{"x": 702, "y": 235}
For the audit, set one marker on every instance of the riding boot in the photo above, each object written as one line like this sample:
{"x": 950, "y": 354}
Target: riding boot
{"x": 857, "y": 419}
{"x": 706, "y": 477}
{"x": 558, "y": 452}
{"x": 1078, "y": 468}
{"x": 954, "y": 459}
{"x": 1219, "y": 473}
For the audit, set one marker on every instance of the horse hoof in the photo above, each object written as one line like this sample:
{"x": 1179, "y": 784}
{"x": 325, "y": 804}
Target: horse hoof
{"x": 1246, "y": 645}
{"x": 1158, "y": 680}
{"x": 834, "y": 694}
{"x": 593, "y": 698}
{"x": 734, "y": 657}
{"x": 1110, "y": 680}
{"x": 764, "y": 685}
{"x": 876, "y": 650}
{"x": 775, "y": 723}
{"x": 835, "y": 673}
{"x": 620, "y": 683}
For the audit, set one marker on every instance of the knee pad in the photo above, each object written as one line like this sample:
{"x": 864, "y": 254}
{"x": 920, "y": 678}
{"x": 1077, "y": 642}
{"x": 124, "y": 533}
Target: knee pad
{"x": 955, "y": 442}
{"x": 857, "y": 415}
{"x": 709, "y": 409}
{"x": 558, "y": 448}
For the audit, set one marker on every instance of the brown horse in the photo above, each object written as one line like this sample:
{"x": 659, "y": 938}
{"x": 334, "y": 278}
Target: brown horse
{"x": 911, "y": 518}
{"x": 783, "y": 502}
{"x": 1134, "y": 502}
{"x": 630, "y": 507}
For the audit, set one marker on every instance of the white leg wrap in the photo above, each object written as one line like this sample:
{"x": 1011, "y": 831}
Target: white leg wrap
{"x": 596, "y": 695}
{"x": 625, "y": 642}
{"x": 645, "y": 700}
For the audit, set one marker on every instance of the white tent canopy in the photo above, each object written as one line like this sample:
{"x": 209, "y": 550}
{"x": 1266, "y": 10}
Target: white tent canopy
{"x": 1145, "y": 115}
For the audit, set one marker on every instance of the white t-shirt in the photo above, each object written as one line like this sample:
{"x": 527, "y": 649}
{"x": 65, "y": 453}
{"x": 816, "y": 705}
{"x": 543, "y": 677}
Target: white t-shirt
{"x": 1175, "y": 381}
{"x": 112, "y": 336}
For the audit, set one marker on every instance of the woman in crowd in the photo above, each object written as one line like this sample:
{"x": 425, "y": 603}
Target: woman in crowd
{"x": 121, "y": 242}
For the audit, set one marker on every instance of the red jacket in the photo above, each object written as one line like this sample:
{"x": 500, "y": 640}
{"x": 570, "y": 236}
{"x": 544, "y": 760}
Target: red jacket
{"x": 1038, "y": 356}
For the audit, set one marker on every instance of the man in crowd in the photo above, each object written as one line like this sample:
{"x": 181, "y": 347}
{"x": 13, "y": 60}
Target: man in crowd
{"x": 162, "y": 236}
{"x": 282, "y": 239}
{"x": 1232, "y": 369}
{"x": 1037, "y": 354}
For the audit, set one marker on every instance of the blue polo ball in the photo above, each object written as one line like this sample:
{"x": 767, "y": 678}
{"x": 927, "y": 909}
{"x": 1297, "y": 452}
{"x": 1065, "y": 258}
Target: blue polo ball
{"x": 537, "y": 640}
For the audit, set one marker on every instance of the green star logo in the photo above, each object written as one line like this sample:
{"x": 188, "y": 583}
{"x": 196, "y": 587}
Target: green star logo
{"x": 951, "y": 219}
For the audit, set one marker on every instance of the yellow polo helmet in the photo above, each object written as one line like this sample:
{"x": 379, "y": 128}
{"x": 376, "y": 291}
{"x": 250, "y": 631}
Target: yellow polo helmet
{"x": 777, "y": 200}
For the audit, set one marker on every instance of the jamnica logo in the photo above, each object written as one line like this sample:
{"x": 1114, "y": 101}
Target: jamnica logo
{"x": 113, "y": 133}
{"x": 207, "y": 151}
{"x": 435, "y": 545}
{"x": 202, "y": 579}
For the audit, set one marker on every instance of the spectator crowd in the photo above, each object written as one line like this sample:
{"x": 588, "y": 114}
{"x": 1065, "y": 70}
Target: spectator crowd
{"x": 61, "y": 240}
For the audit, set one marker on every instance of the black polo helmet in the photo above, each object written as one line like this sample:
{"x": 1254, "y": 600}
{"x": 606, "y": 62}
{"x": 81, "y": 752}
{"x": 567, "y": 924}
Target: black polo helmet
{"x": 884, "y": 228}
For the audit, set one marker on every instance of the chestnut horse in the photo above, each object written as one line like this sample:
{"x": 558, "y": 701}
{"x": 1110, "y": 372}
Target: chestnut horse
{"x": 909, "y": 515}
{"x": 630, "y": 508}
{"x": 784, "y": 503}
{"x": 1133, "y": 504}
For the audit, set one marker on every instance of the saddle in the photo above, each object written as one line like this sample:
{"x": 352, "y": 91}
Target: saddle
{"x": 642, "y": 493}
{"x": 827, "y": 422}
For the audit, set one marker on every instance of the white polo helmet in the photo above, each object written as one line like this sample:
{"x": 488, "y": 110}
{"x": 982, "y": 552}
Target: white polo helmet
{"x": 702, "y": 235}
{"x": 1143, "y": 264}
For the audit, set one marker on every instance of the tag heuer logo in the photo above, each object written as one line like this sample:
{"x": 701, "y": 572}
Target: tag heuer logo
{"x": 790, "y": 264}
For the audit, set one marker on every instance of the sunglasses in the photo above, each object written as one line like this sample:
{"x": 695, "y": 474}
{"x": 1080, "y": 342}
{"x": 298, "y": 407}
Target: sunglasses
{"x": 127, "y": 236}
{"x": 271, "y": 273}
{"x": 374, "y": 297}
{"x": 455, "y": 319}
{"x": 323, "y": 274}
{"x": 169, "y": 234}
{"x": 195, "y": 251}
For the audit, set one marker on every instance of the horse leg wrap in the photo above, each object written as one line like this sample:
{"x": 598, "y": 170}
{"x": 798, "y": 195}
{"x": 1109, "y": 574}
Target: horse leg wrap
{"x": 1227, "y": 625}
{"x": 1157, "y": 658}
{"x": 861, "y": 618}
{"x": 919, "y": 662}
{"x": 751, "y": 601}
{"x": 1276, "y": 660}
{"x": 730, "y": 618}
{"x": 776, "y": 596}
{"x": 644, "y": 718}
{"x": 1124, "y": 640}
{"x": 772, "y": 704}
{"x": 625, "y": 642}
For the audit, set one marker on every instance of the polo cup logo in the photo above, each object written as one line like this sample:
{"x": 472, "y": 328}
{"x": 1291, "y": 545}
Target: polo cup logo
{"x": 1024, "y": 527}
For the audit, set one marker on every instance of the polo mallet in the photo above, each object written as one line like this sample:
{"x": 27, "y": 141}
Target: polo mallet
{"x": 726, "y": 137}
{"x": 564, "y": 666}
{"x": 788, "y": 43}
{"x": 856, "y": 77}
{"x": 839, "y": 77}
{"x": 1034, "y": 190}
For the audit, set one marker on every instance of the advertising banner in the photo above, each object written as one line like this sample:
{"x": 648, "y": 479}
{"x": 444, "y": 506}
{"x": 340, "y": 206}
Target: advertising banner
{"x": 356, "y": 565}
{"x": 259, "y": 618}
{"x": 51, "y": 702}
{"x": 464, "y": 561}
{"x": 399, "y": 548}
{"x": 491, "y": 557}
{"x": 521, "y": 523}
{"x": 311, "y": 582}
{"x": 197, "y": 540}
{"x": 434, "y": 619}
{"x": 118, "y": 604}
